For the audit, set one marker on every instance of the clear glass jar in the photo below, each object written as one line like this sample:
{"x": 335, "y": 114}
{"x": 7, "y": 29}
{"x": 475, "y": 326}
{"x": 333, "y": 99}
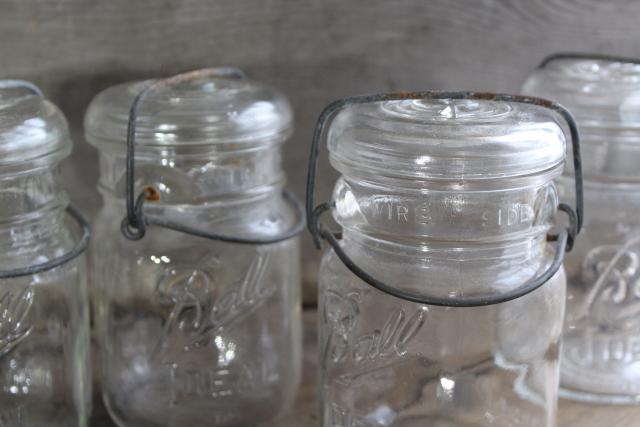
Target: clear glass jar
{"x": 44, "y": 323}
{"x": 446, "y": 199}
{"x": 601, "y": 353}
{"x": 196, "y": 332}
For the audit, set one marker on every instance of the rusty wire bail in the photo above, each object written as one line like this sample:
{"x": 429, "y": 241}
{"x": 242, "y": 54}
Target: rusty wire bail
{"x": 82, "y": 243}
{"x": 134, "y": 224}
{"x": 564, "y": 239}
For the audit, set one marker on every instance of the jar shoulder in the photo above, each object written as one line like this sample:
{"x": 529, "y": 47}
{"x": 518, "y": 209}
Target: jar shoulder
{"x": 260, "y": 218}
{"x": 438, "y": 277}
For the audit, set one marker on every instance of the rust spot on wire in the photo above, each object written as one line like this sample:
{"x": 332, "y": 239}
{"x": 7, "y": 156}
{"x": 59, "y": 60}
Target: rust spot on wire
{"x": 153, "y": 195}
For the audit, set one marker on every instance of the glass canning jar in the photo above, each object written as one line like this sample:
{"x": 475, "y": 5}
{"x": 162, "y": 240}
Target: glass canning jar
{"x": 447, "y": 200}
{"x": 601, "y": 353}
{"x": 44, "y": 323}
{"x": 193, "y": 331}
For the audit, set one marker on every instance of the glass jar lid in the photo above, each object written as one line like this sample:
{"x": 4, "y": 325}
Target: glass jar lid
{"x": 446, "y": 140}
{"x": 604, "y": 97}
{"x": 33, "y": 132}
{"x": 600, "y": 93}
{"x": 205, "y": 111}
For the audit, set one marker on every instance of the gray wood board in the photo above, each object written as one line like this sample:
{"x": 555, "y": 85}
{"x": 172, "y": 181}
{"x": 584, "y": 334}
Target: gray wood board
{"x": 315, "y": 51}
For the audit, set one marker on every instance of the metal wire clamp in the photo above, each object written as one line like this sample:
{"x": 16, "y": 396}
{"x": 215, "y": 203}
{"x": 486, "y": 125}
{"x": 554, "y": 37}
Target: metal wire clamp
{"x": 135, "y": 223}
{"x": 564, "y": 239}
{"x": 82, "y": 244}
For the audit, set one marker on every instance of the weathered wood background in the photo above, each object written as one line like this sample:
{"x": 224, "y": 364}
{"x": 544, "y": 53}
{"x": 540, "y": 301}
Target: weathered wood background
{"x": 313, "y": 50}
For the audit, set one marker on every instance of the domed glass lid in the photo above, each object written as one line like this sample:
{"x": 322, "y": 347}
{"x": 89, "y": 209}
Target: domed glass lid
{"x": 198, "y": 112}
{"x": 452, "y": 140}
{"x": 604, "y": 97}
{"x": 600, "y": 93}
{"x": 33, "y": 132}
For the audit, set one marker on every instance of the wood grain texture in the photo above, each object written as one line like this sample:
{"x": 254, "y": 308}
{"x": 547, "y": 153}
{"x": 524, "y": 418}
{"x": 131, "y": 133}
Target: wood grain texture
{"x": 314, "y": 50}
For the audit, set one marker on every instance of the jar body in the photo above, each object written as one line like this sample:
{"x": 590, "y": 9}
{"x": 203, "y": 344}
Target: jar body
{"x": 442, "y": 200}
{"x": 44, "y": 321}
{"x": 192, "y": 331}
{"x": 44, "y": 316}
{"x": 386, "y": 361}
{"x": 601, "y": 353}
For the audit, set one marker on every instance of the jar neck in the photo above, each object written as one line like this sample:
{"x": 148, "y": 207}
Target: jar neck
{"x": 245, "y": 215}
{"x": 447, "y": 242}
{"x": 31, "y": 207}
{"x": 194, "y": 176}
{"x": 528, "y": 249}
{"x": 447, "y": 270}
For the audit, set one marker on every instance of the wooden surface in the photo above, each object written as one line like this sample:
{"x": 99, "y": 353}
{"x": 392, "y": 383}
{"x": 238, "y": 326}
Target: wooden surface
{"x": 305, "y": 411}
{"x": 313, "y": 50}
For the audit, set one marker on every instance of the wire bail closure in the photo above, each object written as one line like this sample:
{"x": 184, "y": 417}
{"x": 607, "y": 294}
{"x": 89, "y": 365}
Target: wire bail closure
{"x": 134, "y": 224}
{"x": 82, "y": 244}
{"x": 564, "y": 239}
